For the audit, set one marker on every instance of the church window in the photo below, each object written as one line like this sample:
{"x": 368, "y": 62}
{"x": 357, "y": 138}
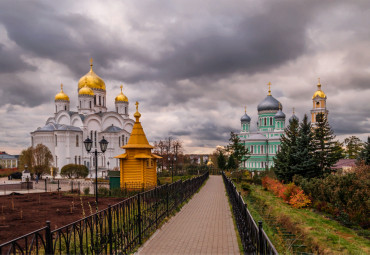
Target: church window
{"x": 56, "y": 140}
{"x": 126, "y": 139}
{"x": 261, "y": 149}
{"x": 65, "y": 108}
{"x": 119, "y": 141}
{"x": 90, "y": 104}
{"x": 99, "y": 100}
{"x": 95, "y": 139}
{"x": 125, "y": 110}
{"x": 80, "y": 104}
{"x": 56, "y": 109}
{"x": 91, "y": 135}
{"x": 271, "y": 121}
{"x": 94, "y": 99}
{"x": 75, "y": 160}
{"x": 265, "y": 121}
{"x": 77, "y": 141}
{"x": 79, "y": 160}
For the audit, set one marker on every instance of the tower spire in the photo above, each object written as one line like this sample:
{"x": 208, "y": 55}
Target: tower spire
{"x": 137, "y": 114}
{"x": 318, "y": 84}
{"x": 91, "y": 63}
{"x": 121, "y": 88}
{"x": 269, "y": 84}
{"x": 61, "y": 87}
{"x": 245, "y": 109}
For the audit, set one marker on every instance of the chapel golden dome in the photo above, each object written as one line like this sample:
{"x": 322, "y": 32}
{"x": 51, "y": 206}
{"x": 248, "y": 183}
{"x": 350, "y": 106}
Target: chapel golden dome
{"x": 121, "y": 97}
{"x": 85, "y": 90}
{"x": 319, "y": 92}
{"x": 93, "y": 80}
{"x": 61, "y": 95}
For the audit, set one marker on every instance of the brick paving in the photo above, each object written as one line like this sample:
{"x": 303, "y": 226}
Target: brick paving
{"x": 203, "y": 226}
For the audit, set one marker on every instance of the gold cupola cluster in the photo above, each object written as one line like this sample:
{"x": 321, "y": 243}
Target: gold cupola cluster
{"x": 319, "y": 92}
{"x": 92, "y": 80}
{"x": 85, "y": 90}
{"x": 121, "y": 97}
{"x": 61, "y": 95}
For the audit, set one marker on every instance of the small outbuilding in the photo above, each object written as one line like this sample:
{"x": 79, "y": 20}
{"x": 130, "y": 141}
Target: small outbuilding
{"x": 138, "y": 165}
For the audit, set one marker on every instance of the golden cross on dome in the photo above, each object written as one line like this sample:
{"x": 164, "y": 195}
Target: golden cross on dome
{"x": 245, "y": 109}
{"x": 91, "y": 62}
{"x": 293, "y": 110}
{"x": 121, "y": 87}
{"x": 137, "y": 106}
{"x": 61, "y": 86}
{"x": 269, "y": 84}
{"x": 279, "y": 106}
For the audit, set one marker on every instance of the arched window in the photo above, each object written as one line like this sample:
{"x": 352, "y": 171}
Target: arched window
{"x": 65, "y": 108}
{"x": 90, "y": 104}
{"x": 79, "y": 160}
{"x": 94, "y": 99}
{"x": 271, "y": 121}
{"x": 56, "y": 140}
{"x": 95, "y": 139}
{"x": 261, "y": 149}
{"x": 119, "y": 142}
{"x": 265, "y": 121}
{"x": 99, "y": 100}
{"x": 77, "y": 141}
{"x": 80, "y": 104}
{"x": 123, "y": 139}
{"x": 125, "y": 110}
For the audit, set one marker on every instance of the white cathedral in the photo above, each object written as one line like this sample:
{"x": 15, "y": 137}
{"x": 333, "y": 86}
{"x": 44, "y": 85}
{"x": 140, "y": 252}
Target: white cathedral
{"x": 65, "y": 132}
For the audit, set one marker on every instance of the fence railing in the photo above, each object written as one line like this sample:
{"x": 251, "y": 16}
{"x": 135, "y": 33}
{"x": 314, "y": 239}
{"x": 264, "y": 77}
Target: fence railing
{"x": 115, "y": 230}
{"x": 253, "y": 237}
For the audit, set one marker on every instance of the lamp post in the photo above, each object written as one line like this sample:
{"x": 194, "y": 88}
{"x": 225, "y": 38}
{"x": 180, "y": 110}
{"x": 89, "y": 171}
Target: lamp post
{"x": 103, "y": 147}
{"x": 173, "y": 159}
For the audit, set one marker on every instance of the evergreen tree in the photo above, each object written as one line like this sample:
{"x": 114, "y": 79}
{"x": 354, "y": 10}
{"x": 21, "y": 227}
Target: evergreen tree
{"x": 231, "y": 163}
{"x": 221, "y": 161}
{"x": 364, "y": 155}
{"x": 306, "y": 164}
{"x": 353, "y": 146}
{"x": 327, "y": 151}
{"x": 237, "y": 149}
{"x": 285, "y": 159}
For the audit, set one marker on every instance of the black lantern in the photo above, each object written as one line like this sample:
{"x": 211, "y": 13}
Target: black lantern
{"x": 103, "y": 145}
{"x": 88, "y": 144}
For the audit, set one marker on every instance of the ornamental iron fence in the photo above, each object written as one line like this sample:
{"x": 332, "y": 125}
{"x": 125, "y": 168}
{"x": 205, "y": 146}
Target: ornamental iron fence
{"x": 253, "y": 237}
{"x": 115, "y": 230}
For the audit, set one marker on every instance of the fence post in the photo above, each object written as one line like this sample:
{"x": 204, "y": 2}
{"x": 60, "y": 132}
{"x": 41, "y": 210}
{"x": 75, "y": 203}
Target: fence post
{"x": 167, "y": 199}
{"x": 110, "y": 235}
{"x": 156, "y": 207}
{"x": 139, "y": 216}
{"x": 260, "y": 242}
{"x": 45, "y": 185}
{"x": 48, "y": 240}
{"x": 58, "y": 186}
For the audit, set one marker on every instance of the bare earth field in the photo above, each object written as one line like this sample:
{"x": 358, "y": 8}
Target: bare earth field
{"x": 21, "y": 214}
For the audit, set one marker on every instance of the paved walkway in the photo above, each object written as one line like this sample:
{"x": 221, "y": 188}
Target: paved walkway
{"x": 203, "y": 226}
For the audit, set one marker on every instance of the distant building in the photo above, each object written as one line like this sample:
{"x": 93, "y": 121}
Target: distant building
{"x": 199, "y": 159}
{"x": 346, "y": 165}
{"x": 265, "y": 143}
{"x": 8, "y": 161}
{"x": 65, "y": 132}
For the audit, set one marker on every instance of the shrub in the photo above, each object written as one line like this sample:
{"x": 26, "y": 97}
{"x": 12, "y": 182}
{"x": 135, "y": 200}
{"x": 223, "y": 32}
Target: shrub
{"x": 236, "y": 176}
{"x": 73, "y": 170}
{"x": 86, "y": 190}
{"x": 103, "y": 191}
{"x": 290, "y": 193}
{"x": 245, "y": 186}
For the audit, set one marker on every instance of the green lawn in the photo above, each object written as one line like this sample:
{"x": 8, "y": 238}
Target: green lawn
{"x": 320, "y": 233}
{"x": 168, "y": 180}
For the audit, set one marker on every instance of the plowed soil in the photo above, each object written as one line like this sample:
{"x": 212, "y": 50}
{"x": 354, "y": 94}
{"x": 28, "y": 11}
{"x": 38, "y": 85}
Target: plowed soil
{"x": 24, "y": 213}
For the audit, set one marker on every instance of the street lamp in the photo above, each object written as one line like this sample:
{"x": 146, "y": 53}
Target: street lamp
{"x": 173, "y": 159}
{"x": 103, "y": 147}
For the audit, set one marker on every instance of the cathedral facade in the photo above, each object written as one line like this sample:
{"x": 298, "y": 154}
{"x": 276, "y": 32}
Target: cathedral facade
{"x": 264, "y": 143}
{"x": 65, "y": 132}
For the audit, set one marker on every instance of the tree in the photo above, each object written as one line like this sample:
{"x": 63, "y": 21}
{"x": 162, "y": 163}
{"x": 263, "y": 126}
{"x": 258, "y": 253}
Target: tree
{"x": 306, "y": 164}
{"x": 221, "y": 161}
{"x": 327, "y": 151}
{"x": 231, "y": 163}
{"x": 38, "y": 159}
{"x": 42, "y": 159}
{"x": 364, "y": 155}
{"x": 237, "y": 149}
{"x": 353, "y": 146}
{"x": 73, "y": 170}
{"x": 285, "y": 159}
{"x": 26, "y": 158}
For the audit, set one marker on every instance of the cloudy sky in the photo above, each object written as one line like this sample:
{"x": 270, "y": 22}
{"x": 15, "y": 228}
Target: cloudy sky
{"x": 193, "y": 65}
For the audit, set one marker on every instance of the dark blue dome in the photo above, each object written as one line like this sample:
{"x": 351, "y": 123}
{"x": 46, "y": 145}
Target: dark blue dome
{"x": 293, "y": 117}
{"x": 279, "y": 115}
{"x": 268, "y": 104}
{"x": 245, "y": 118}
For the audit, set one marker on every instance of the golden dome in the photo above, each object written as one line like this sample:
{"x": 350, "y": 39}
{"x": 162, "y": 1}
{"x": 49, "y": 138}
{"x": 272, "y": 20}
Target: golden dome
{"x": 85, "y": 90}
{"x": 121, "y": 97}
{"x": 93, "y": 80}
{"x": 319, "y": 92}
{"x": 61, "y": 95}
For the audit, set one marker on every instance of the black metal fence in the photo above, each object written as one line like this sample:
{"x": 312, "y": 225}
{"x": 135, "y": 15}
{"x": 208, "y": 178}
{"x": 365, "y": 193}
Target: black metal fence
{"x": 253, "y": 237}
{"x": 115, "y": 230}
